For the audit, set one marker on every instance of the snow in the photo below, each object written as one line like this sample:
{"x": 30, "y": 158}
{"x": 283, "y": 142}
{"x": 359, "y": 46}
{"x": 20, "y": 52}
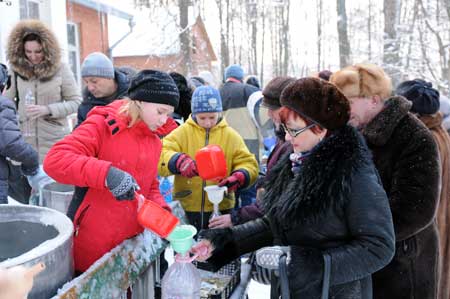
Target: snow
{"x": 155, "y": 33}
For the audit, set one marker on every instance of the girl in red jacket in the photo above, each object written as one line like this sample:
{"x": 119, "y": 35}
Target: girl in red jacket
{"x": 114, "y": 153}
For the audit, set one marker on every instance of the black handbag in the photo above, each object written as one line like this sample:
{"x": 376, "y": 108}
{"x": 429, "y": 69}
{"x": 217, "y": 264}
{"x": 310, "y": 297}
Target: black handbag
{"x": 18, "y": 187}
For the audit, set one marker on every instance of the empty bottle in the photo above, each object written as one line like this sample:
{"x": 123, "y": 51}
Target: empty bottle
{"x": 182, "y": 280}
{"x": 29, "y": 129}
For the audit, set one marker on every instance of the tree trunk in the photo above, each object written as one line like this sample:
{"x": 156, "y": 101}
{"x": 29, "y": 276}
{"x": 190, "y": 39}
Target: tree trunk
{"x": 185, "y": 36}
{"x": 285, "y": 41}
{"x": 391, "y": 58}
{"x": 224, "y": 53}
{"x": 369, "y": 31}
{"x": 319, "y": 35}
{"x": 344, "y": 45}
{"x": 263, "y": 40}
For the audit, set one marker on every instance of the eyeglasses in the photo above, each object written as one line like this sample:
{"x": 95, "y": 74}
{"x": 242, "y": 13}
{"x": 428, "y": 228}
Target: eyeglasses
{"x": 295, "y": 132}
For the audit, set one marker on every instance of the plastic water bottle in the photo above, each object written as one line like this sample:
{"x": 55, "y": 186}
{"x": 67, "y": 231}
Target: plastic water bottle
{"x": 182, "y": 280}
{"x": 165, "y": 187}
{"x": 28, "y": 127}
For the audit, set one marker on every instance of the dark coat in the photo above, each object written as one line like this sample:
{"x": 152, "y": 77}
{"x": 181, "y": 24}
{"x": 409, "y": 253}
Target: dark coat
{"x": 335, "y": 205}
{"x": 434, "y": 123}
{"x": 13, "y": 146}
{"x": 407, "y": 160}
{"x": 234, "y": 102}
{"x": 254, "y": 210}
{"x": 122, "y": 79}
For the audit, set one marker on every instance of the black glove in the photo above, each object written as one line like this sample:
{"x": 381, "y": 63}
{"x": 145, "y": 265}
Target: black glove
{"x": 30, "y": 169}
{"x": 121, "y": 184}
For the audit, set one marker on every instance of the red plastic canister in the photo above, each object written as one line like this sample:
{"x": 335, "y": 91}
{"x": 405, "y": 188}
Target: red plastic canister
{"x": 211, "y": 163}
{"x": 155, "y": 218}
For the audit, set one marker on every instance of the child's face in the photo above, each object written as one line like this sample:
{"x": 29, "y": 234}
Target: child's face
{"x": 207, "y": 120}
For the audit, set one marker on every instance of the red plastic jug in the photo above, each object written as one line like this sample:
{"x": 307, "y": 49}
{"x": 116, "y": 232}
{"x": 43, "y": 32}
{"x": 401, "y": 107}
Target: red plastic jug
{"x": 211, "y": 163}
{"x": 155, "y": 218}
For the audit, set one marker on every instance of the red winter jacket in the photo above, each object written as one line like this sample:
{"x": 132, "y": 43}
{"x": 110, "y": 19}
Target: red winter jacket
{"x": 83, "y": 159}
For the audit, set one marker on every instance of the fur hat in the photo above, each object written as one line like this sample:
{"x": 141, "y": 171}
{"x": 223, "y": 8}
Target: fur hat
{"x": 97, "y": 65}
{"x": 155, "y": 87}
{"x": 273, "y": 90}
{"x": 206, "y": 99}
{"x": 234, "y": 71}
{"x": 318, "y": 101}
{"x": 363, "y": 80}
{"x": 424, "y": 97}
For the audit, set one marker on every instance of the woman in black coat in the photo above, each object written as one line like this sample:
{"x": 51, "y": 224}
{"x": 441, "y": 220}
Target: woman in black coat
{"x": 325, "y": 201}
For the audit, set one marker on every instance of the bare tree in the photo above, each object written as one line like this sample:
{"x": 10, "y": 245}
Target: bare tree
{"x": 319, "y": 33}
{"x": 183, "y": 22}
{"x": 344, "y": 45}
{"x": 391, "y": 58}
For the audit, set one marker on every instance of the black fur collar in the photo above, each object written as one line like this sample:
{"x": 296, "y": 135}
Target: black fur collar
{"x": 380, "y": 129}
{"x": 323, "y": 182}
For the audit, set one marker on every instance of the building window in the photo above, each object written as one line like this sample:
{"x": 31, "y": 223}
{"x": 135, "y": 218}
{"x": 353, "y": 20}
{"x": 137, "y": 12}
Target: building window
{"x": 29, "y": 9}
{"x": 73, "y": 49}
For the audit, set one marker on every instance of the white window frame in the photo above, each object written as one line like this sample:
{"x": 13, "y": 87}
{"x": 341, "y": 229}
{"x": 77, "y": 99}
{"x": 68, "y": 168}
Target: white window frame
{"x": 75, "y": 48}
{"x": 27, "y": 2}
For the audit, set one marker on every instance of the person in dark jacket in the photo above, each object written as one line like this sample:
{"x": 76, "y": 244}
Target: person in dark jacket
{"x": 425, "y": 105}
{"x": 407, "y": 159}
{"x": 271, "y": 100}
{"x": 104, "y": 83}
{"x": 181, "y": 114}
{"x": 13, "y": 147}
{"x": 235, "y": 95}
{"x": 324, "y": 200}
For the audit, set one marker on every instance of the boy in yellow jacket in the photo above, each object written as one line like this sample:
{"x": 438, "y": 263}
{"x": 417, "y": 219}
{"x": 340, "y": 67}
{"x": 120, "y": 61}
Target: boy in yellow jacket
{"x": 205, "y": 126}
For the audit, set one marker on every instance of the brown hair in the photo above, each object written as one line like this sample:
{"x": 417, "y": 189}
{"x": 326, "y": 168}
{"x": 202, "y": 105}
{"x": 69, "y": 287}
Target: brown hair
{"x": 286, "y": 113}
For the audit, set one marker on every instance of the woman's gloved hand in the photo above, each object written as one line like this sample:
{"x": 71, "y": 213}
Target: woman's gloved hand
{"x": 38, "y": 179}
{"x": 186, "y": 166}
{"x": 235, "y": 181}
{"x": 121, "y": 184}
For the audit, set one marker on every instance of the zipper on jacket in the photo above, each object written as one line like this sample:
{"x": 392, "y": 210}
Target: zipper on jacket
{"x": 79, "y": 219}
{"x": 202, "y": 212}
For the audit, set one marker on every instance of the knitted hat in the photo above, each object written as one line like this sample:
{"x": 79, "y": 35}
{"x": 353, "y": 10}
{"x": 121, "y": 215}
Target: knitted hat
{"x": 363, "y": 80}
{"x": 234, "y": 71}
{"x": 206, "y": 99}
{"x": 273, "y": 90}
{"x": 317, "y": 100}
{"x": 424, "y": 97}
{"x": 154, "y": 87}
{"x": 97, "y": 65}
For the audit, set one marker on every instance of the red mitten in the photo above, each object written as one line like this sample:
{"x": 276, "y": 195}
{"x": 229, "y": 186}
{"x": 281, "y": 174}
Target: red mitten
{"x": 234, "y": 181}
{"x": 186, "y": 166}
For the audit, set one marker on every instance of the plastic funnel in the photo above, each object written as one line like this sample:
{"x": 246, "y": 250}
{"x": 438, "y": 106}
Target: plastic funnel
{"x": 181, "y": 238}
{"x": 211, "y": 163}
{"x": 215, "y": 193}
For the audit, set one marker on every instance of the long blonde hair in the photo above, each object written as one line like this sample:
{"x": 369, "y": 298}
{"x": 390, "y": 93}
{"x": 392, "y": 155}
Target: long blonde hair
{"x": 131, "y": 109}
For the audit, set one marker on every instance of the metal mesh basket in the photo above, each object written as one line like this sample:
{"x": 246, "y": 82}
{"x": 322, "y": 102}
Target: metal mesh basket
{"x": 220, "y": 284}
